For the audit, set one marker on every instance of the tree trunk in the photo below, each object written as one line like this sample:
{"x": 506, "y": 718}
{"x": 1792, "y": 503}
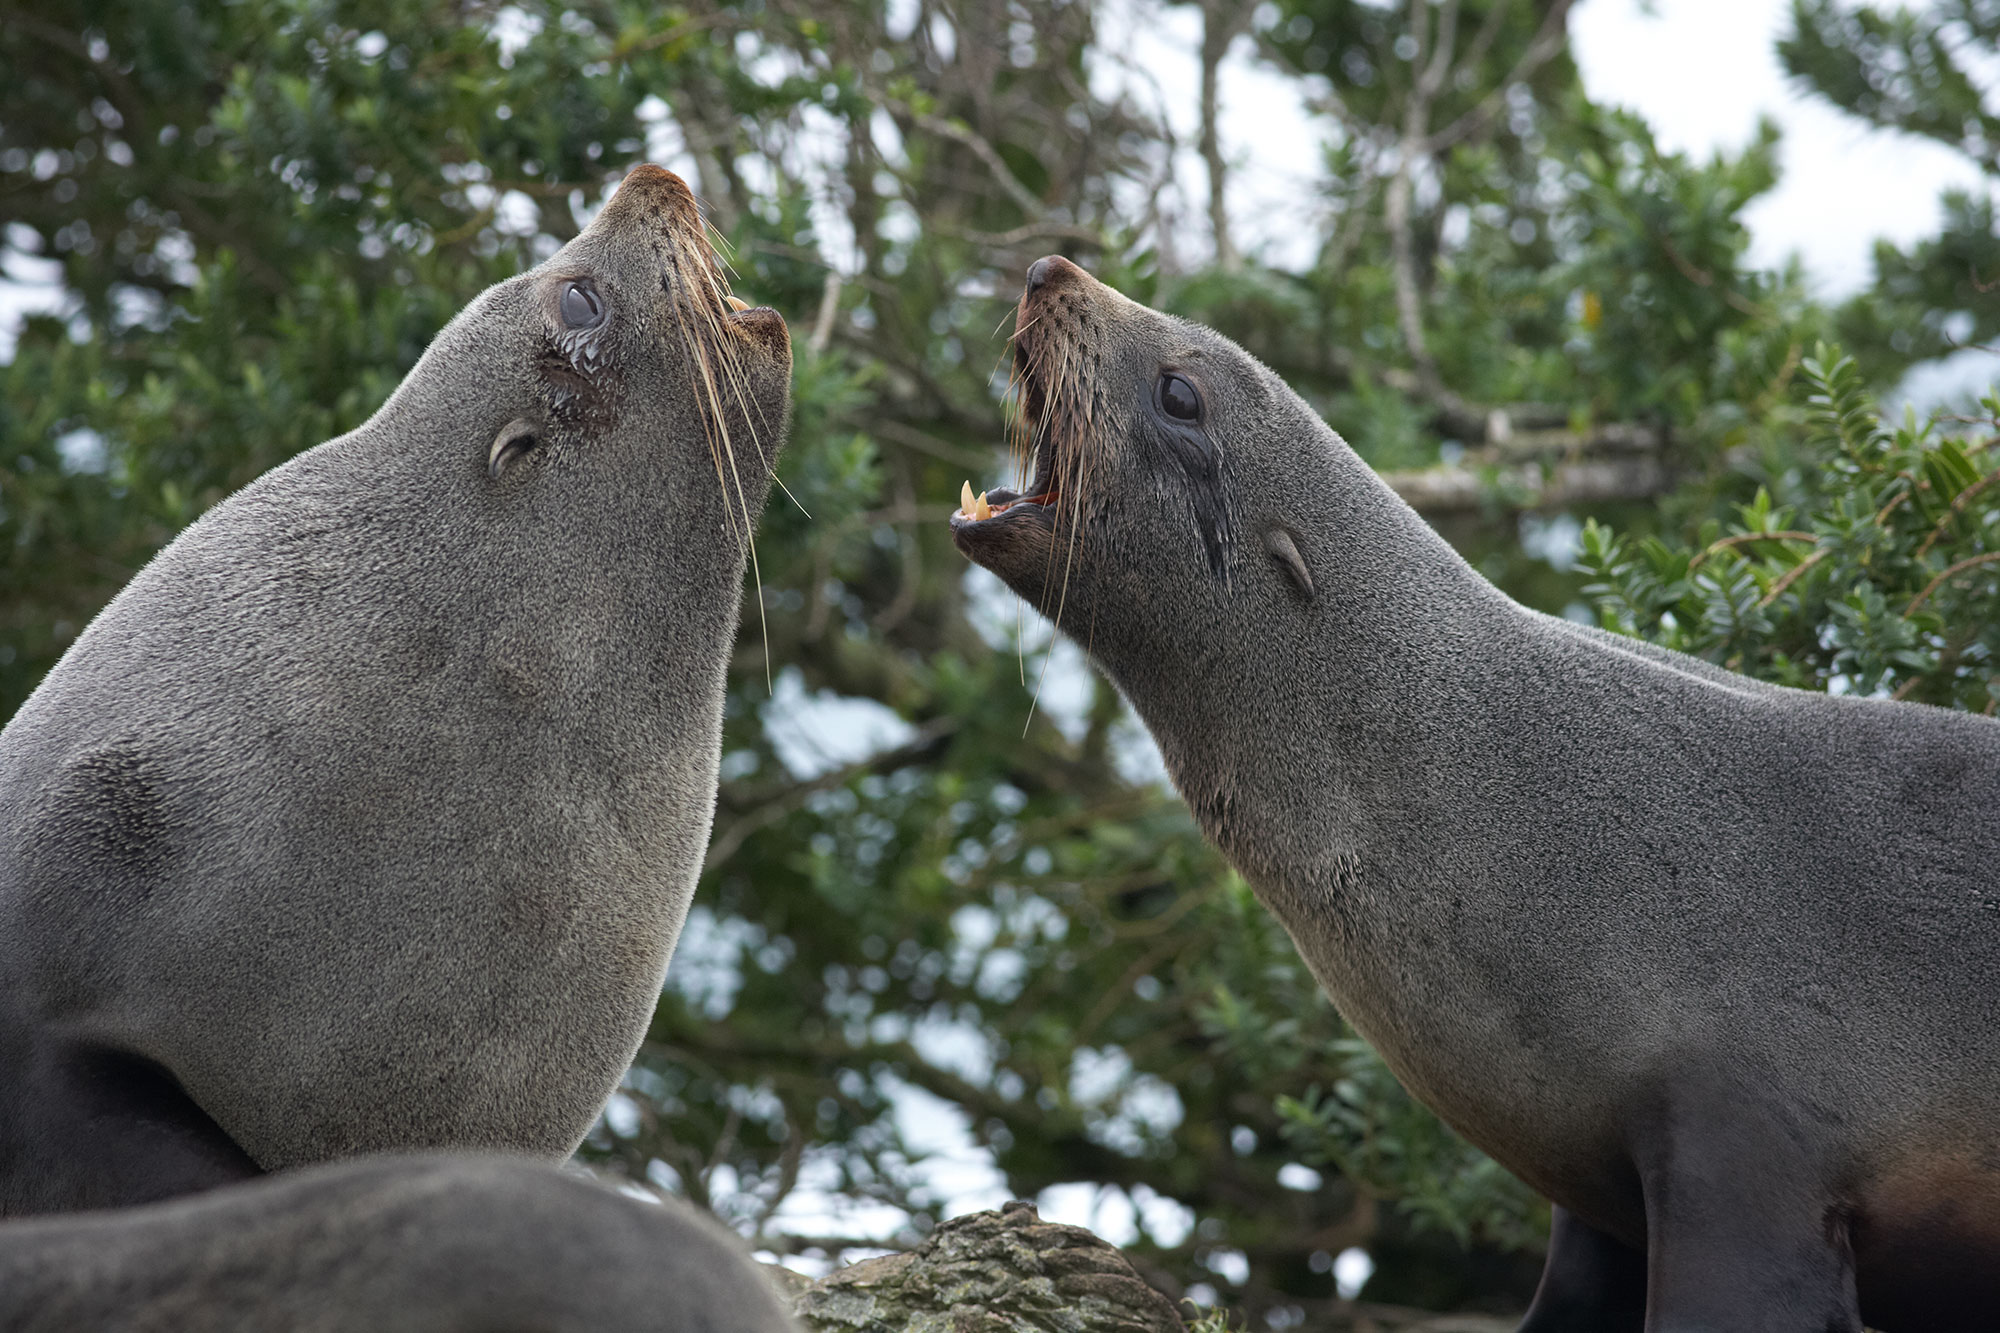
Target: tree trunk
{"x": 1221, "y": 22}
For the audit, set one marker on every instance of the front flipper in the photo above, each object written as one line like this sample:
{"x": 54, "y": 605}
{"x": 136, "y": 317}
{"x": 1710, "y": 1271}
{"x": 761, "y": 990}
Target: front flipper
{"x": 87, "y": 1127}
{"x": 1590, "y": 1284}
{"x": 1742, "y": 1229}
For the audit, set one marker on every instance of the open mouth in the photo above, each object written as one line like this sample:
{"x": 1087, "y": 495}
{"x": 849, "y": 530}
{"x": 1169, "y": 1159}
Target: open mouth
{"x": 1042, "y": 491}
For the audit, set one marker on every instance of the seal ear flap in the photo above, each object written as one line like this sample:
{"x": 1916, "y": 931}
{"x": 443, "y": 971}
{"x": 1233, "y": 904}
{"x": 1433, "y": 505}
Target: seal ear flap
{"x": 513, "y": 442}
{"x": 1279, "y": 544}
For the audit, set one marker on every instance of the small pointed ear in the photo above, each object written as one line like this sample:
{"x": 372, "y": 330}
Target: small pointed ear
{"x": 513, "y": 442}
{"x": 1281, "y": 548}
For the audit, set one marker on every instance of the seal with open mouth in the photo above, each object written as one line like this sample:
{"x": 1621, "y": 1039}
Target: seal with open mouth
{"x": 366, "y": 816}
{"x": 1709, "y": 962}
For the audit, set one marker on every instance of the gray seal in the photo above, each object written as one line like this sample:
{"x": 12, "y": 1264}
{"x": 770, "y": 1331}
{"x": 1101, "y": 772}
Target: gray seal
{"x": 1708, "y": 962}
{"x": 437, "y": 1244}
{"x": 366, "y": 816}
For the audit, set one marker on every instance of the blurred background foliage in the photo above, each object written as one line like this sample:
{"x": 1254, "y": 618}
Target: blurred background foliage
{"x": 957, "y": 942}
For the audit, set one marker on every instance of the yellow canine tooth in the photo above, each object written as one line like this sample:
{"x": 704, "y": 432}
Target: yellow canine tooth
{"x": 980, "y": 509}
{"x": 965, "y": 499}
{"x": 737, "y": 303}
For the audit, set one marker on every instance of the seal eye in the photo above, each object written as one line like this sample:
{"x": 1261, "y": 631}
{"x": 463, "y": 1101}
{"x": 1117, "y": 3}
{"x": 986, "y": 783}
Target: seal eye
{"x": 1179, "y": 399}
{"x": 580, "y": 306}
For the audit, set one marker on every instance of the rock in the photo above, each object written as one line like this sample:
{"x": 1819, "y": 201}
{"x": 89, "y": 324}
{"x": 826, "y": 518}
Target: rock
{"x": 996, "y": 1272}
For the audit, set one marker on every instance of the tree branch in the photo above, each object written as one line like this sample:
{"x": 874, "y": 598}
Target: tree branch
{"x": 1459, "y": 489}
{"x": 1547, "y": 43}
{"x": 926, "y": 744}
{"x": 1024, "y": 198}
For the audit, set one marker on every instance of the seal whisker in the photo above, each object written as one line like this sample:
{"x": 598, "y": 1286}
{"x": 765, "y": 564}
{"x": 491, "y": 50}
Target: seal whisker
{"x": 711, "y": 349}
{"x": 1066, "y": 379}
{"x": 731, "y": 365}
{"x": 742, "y": 497}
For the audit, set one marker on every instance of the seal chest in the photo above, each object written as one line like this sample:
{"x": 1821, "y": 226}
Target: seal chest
{"x": 366, "y": 817}
{"x": 1742, "y": 1031}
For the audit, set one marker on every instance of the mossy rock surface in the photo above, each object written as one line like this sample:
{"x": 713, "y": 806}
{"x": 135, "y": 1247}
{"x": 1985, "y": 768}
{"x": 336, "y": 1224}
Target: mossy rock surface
{"x": 1005, "y": 1271}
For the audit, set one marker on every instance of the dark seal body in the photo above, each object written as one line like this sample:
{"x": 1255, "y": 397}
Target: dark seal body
{"x": 366, "y": 817}
{"x": 387, "y": 1245}
{"x": 1709, "y": 962}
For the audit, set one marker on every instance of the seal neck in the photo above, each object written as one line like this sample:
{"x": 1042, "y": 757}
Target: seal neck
{"x": 1307, "y": 734}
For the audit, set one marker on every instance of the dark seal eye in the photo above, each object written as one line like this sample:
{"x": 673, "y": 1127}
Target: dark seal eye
{"x": 580, "y": 305}
{"x": 1179, "y": 399}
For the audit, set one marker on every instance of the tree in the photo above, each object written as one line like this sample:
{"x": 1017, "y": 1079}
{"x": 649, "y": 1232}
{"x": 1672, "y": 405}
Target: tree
{"x": 1871, "y": 571}
{"x": 1926, "y": 73}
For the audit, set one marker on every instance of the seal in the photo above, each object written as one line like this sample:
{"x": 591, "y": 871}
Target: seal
{"x": 1708, "y": 962}
{"x": 365, "y": 818}
{"x": 427, "y": 1244}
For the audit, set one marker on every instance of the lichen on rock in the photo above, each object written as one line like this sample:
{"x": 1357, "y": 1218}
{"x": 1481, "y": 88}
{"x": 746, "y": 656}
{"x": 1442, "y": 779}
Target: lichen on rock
{"x": 1005, "y": 1271}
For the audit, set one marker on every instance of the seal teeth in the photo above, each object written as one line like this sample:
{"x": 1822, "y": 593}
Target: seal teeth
{"x": 737, "y": 302}
{"x": 973, "y": 506}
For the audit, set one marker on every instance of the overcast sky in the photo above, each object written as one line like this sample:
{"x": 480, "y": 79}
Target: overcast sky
{"x": 1700, "y": 71}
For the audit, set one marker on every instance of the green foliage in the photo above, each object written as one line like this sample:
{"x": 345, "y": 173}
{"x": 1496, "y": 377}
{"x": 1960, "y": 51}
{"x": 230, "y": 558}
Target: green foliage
{"x": 1377, "y": 1136}
{"x": 1925, "y": 72}
{"x": 1915, "y": 70}
{"x": 1876, "y": 575}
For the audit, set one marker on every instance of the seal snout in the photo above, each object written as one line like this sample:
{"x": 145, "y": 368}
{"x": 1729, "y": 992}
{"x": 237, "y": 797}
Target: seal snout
{"x": 1047, "y": 424}
{"x": 1052, "y": 271}
{"x": 650, "y": 190}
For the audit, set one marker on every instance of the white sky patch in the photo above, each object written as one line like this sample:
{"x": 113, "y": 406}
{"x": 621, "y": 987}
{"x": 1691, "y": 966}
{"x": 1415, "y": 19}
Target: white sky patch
{"x": 1702, "y": 71}
{"x": 814, "y": 1208}
{"x": 1168, "y": 1221}
{"x": 1104, "y": 1209}
{"x": 960, "y": 1172}
{"x": 30, "y": 284}
{"x": 960, "y": 1048}
{"x": 83, "y": 450}
{"x": 1232, "y": 1266}
{"x": 1954, "y": 382}
{"x": 513, "y": 28}
{"x": 819, "y": 732}
{"x": 1009, "y": 625}
{"x": 1351, "y": 1270}
{"x": 515, "y": 214}
{"x": 666, "y": 146}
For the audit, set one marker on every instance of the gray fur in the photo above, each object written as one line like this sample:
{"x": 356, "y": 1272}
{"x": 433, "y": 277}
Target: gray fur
{"x": 1709, "y": 962}
{"x": 387, "y": 1245}
{"x": 365, "y": 818}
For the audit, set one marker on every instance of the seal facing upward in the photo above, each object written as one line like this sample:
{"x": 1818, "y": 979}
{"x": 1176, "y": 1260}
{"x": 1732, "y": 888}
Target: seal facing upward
{"x": 1738, "y": 1020}
{"x": 366, "y": 816}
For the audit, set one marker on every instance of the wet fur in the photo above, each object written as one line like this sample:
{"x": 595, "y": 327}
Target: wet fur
{"x": 1709, "y": 962}
{"x": 366, "y": 817}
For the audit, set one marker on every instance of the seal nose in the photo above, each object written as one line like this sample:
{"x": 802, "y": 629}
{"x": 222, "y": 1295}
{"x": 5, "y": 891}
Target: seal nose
{"x": 655, "y": 192}
{"x": 1048, "y": 269}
